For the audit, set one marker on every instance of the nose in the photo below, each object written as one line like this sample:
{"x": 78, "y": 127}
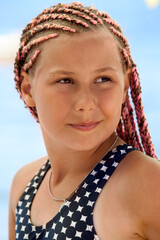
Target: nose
{"x": 85, "y": 101}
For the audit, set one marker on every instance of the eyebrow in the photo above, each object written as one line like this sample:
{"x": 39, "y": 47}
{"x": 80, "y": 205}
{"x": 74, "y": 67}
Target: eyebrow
{"x": 106, "y": 69}
{"x": 99, "y": 70}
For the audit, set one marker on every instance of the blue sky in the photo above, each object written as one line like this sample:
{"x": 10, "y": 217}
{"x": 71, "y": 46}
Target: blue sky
{"x": 20, "y": 136}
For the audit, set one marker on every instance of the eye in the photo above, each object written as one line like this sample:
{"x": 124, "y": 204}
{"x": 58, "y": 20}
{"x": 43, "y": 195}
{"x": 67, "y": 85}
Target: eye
{"x": 103, "y": 79}
{"x": 65, "y": 81}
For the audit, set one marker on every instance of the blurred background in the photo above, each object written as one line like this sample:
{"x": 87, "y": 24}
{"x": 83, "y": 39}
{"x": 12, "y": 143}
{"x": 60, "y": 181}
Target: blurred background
{"x": 20, "y": 136}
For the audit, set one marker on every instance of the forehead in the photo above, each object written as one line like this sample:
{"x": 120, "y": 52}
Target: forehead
{"x": 79, "y": 49}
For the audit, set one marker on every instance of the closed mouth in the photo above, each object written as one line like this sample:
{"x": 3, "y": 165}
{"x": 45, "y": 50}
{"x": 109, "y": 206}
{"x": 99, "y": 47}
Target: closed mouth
{"x": 85, "y": 126}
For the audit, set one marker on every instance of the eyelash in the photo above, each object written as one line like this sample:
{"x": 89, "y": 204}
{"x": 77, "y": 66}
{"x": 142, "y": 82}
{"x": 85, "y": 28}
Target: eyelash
{"x": 68, "y": 81}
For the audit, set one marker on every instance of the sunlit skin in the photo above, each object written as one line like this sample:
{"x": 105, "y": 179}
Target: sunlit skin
{"x": 78, "y": 81}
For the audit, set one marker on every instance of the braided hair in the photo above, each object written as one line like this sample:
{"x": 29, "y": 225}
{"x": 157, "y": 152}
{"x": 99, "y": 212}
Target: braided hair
{"x": 75, "y": 18}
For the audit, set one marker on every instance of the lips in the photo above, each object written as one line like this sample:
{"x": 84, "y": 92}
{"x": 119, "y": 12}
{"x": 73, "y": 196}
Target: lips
{"x": 85, "y": 126}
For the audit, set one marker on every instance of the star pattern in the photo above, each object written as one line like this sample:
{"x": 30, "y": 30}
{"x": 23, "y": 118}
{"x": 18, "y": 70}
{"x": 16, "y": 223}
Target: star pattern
{"x": 75, "y": 217}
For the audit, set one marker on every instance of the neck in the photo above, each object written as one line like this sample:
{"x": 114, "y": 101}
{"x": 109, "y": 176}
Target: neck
{"x": 67, "y": 164}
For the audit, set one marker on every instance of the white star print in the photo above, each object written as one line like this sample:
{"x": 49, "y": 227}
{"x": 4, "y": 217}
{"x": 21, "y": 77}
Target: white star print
{"x": 26, "y": 189}
{"x": 87, "y": 194}
{"x": 36, "y": 177}
{"x": 98, "y": 190}
{"x": 28, "y": 213}
{"x": 26, "y": 197}
{"x": 77, "y": 199}
{"x": 79, "y": 208}
{"x": 78, "y": 234}
{"x": 96, "y": 237}
{"x": 112, "y": 156}
{"x": 21, "y": 219}
{"x": 20, "y": 211}
{"x": 35, "y": 185}
{"x": 104, "y": 168}
{"x": 53, "y": 226}
{"x": 33, "y": 228}
{"x": 46, "y": 235}
{"x": 37, "y": 235}
{"x": 73, "y": 224}
{"x": 29, "y": 221}
{"x": 90, "y": 203}
{"x": 35, "y": 191}
{"x": 42, "y": 173}
{"x": 28, "y": 204}
{"x": 17, "y": 235}
{"x": 96, "y": 181}
{"x": 55, "y": 236}
{"x": 61, "y": 219}
{"x": 70, "y": 214}
{"x": 26, "y": 236}
{"x": 44, "y": 226}
{"x": 102, "y": 162}
{"x": 63, "y": 230}
{"x": 83, "y": 218}
{"x": 106, "y": 177}
{"x": 89, "y": 228}
{"x": 23, "y": 228}
{"x": 115, "y": 164}
{"x": 123, "y": 151}
{"x": 93, "y": 172}
{"x": 85, "y": 185}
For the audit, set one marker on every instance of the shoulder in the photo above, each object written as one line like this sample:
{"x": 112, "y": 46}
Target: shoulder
{"x": 21, "y": 179}
{"x": 144, "y": 180}
{"x": 136, "y": 186}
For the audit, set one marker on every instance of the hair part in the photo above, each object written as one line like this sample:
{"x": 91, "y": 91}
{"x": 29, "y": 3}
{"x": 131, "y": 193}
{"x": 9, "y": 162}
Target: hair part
{"x": 71, "y": 19}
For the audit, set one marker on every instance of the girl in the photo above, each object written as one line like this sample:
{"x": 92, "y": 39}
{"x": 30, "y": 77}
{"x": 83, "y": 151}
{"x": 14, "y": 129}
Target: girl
{"x": 73, "y": 71}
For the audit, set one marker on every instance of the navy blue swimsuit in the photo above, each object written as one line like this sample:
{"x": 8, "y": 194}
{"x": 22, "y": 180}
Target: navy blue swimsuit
{"x": 75, "y": 218}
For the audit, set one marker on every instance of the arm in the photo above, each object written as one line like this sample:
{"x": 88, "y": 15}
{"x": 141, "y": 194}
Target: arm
{"x": 151, "y": 213}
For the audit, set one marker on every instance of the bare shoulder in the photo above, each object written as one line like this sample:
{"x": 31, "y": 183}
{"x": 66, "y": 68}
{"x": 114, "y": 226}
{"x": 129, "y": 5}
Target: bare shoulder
{"x": 21, "y": 179}
{"x": 144, "y": 180}
{"x": 131, "y": 198}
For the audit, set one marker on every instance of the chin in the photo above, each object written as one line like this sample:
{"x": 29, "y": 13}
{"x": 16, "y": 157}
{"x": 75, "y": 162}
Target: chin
{"x": 84, "y": 145}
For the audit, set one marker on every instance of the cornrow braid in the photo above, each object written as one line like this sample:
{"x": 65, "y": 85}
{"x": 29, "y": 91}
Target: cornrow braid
{"x": 71, "y": 19}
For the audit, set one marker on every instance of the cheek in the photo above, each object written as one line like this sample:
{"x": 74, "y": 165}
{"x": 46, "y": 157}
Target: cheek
{"x": 51, "y": 104}
{"x": 111, "y": 100}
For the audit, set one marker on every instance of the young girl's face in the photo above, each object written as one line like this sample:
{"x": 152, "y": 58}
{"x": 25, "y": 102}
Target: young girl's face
{"x": 78, "y": 89}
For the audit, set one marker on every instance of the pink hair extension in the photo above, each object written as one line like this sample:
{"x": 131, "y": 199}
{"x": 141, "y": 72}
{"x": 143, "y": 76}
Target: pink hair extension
{"x": 141, "y": 119}
{"x": 81, "y": 9}
{"x": 120, "y": 35}
{"x": 35, "y": 42}
{"x": 126, "y": 58}
{"x": 31, "y": 62}
{"x": 88, "y": 18}
{"x": 133, "y": 126}
{"x": 46, "y": 26}
{"x": 112, "y": 23}
{"x": 120, "y": 129}
{"x": 77, "y": 13}
{"x": 54, "y": 16}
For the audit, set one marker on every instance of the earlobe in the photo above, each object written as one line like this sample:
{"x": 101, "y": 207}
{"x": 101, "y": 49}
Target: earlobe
{"x": 126, "y": 86}
{"x": 26, "y": 89}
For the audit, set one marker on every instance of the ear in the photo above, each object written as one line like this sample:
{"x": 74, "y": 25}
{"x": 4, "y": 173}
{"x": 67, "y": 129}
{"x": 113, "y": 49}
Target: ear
{"x": 26, "y": 89}
{"x": 126, "y": 84}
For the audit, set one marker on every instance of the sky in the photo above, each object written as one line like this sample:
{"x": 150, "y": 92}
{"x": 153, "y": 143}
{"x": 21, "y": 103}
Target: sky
{"x": 20, "y": 136}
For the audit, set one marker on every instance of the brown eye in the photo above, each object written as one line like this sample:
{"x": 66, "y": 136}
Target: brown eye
{"x": 65, "y": 81}
{"x": 103, "y": 80}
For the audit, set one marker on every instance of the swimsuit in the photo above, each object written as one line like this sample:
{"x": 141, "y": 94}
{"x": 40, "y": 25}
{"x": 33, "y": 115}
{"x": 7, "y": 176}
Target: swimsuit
{"x": 75, "y": 217}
